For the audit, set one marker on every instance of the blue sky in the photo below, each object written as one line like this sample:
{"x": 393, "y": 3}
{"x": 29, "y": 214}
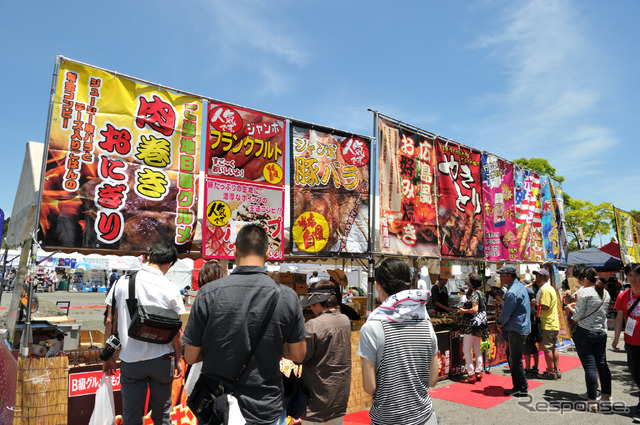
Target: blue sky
{"x": 552, "y": 79}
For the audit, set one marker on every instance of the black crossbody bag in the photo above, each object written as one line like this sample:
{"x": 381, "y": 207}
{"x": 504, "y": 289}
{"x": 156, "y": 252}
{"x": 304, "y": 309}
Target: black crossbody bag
{"x": 156, "y": 325}
{"x": 207, "y": 390}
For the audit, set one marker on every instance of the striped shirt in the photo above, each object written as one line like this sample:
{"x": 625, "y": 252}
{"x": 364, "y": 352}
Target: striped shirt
{"x": 402, "y": 374}
{"x": 590, "y": 311}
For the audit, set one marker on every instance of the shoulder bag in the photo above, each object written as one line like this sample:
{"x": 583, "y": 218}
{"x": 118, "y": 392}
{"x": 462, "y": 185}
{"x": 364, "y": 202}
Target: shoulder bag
{"x": 206, "y": 391}
{"x": 153, "y": 324}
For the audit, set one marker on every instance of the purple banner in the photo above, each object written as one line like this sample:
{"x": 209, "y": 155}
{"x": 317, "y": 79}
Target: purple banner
{"x": 500, "y": 237}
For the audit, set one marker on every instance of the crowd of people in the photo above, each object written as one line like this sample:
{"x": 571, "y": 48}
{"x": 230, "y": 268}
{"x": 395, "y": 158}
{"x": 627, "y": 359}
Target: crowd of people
{"x": 247, "y": 312}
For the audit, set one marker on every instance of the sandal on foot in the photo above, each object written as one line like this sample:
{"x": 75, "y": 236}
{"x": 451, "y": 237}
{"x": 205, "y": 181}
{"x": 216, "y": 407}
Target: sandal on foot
{"x": 479, "y": 376}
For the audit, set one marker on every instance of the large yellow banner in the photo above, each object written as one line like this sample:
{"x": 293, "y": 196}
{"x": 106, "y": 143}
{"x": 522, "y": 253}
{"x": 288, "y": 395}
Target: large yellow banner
{"x": 122, "y": 164}
{"x": 627, "y": 228}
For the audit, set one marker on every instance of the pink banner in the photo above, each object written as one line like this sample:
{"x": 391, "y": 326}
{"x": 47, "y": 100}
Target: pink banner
{"x": 500, "y": 238}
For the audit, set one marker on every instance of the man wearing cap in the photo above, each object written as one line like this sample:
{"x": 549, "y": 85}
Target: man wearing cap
{"x": 547, "y": 301}
{"x": 327, "y": 364}
{"x": 516, "y": 321}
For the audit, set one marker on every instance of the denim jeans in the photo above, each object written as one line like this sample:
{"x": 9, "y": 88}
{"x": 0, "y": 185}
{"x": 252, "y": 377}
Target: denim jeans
{"x": 592, "y": 350}
{"x": 516, "y": 344}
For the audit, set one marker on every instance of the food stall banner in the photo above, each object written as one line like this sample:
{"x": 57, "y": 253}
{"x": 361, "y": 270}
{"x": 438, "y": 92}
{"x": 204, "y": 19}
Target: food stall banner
{"x": 550, "y": 235}
{"x": 500, "y": 241}
{"x": 230, "y": 204}
{"x": 628, "y": 231}
{"x": 330, "y": 192}
{"x": 122, "y": 164}
{"x": 244, "y": 144}
{"x": 460, "y": 201}
{"x": 557, "y": 201}
{"x": 528, "y": 215}
{"x": 408, "y": 214}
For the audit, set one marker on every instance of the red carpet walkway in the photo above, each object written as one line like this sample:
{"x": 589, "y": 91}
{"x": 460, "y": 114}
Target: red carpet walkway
{"x": 483, "y": 395}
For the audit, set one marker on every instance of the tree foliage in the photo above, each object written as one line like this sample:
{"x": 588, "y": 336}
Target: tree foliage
{"x": 541, "y": 166}
{"x": 591, "y": 218}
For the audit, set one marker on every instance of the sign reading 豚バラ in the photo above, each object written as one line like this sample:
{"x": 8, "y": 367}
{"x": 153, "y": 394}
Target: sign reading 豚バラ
{"x": 408, "y": 215}
{"x": 330, "y": 192}
{"x": 122, "y": 163}
{"x": 460, "y": 201}
{"x": 499, "y": 209}
{"x": 230, "y": 204}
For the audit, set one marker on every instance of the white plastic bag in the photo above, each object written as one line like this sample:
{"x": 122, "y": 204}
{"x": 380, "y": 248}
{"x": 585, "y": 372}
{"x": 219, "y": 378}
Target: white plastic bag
{"x": 104, "y": 411}
{"x": 194, "y": 374}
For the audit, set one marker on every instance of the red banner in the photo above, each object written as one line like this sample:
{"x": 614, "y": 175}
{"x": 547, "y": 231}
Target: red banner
{"x": 460, "y": 201}
{"x": 245, "y": 144}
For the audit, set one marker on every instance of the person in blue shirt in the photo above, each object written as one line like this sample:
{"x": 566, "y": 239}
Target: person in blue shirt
{"x": 515, "y": 319}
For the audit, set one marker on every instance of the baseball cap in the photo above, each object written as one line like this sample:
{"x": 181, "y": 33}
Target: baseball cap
{"x": 316, "y": 296}
{"x": 542, "y": 272}
{"x": 507, "y": 269}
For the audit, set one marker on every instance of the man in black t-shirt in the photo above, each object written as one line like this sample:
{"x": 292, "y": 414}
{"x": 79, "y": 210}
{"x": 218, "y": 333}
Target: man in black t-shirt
{"x": 440, "y": 296}
{"x": 224, "y": 323}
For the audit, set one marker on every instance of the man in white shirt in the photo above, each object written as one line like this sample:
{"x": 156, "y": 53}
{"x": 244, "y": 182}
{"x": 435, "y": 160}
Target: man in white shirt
{"x": 142, "y": 364}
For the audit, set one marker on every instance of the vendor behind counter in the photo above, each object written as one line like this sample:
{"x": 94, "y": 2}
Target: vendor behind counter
{"x": 339, "y": 279}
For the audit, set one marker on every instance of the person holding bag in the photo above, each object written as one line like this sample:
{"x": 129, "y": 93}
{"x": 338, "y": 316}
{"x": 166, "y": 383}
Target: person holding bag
{"x": 590, "y": 337}
{"x": 474, "y": 327}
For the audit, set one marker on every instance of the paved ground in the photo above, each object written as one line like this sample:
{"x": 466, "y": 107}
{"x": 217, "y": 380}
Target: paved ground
{"x": 512, "y": 411}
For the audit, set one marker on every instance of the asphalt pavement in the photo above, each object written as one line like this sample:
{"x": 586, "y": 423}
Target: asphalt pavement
{"x": 553, "y": 402}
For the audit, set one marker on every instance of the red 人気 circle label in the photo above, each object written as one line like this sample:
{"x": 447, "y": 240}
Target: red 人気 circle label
{"x": 225, "y": 119}
{"x": 355, "y": 151}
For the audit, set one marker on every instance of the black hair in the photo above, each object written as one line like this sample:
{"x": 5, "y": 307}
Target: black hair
{"x": 332, "y": 302}
{"x": 475, "y": 280}
{"x": 163, "y": 253}
{"x": 591, "y": 275}
{"x": 252, "y": 240}
{"x": 393, "y": 275}
{"x": 577, "y": 269}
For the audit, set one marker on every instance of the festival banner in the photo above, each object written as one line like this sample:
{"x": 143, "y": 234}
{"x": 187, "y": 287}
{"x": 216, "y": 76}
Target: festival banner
{"x": 408, "y": 214}
{"x": 460, "y": 204}
{"x": 122, "y": 165}
{"x": 563, "y": 240}
{"x": 627, "y": 229}
{"x": 500, "y": 242}
{"x": 528, "y": 215}
{"x": 245, "y": 144}
{"x": 550, "y": 236}
{"x": 329, "y": 192}
{"x": 230, "y": 204}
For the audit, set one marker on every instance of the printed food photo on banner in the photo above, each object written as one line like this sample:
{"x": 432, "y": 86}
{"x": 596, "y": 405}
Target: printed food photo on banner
{"x": 330, "y": 191}
{"x": 528, "y": 215}
{"x": 407, "y": 164}
{"x": 460, "y": 201}
{"x": 244, "y": 144}
{"x": 230, "y": 204}
{"x": 499, "y": 209}
{"x": 122, "y": 164}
